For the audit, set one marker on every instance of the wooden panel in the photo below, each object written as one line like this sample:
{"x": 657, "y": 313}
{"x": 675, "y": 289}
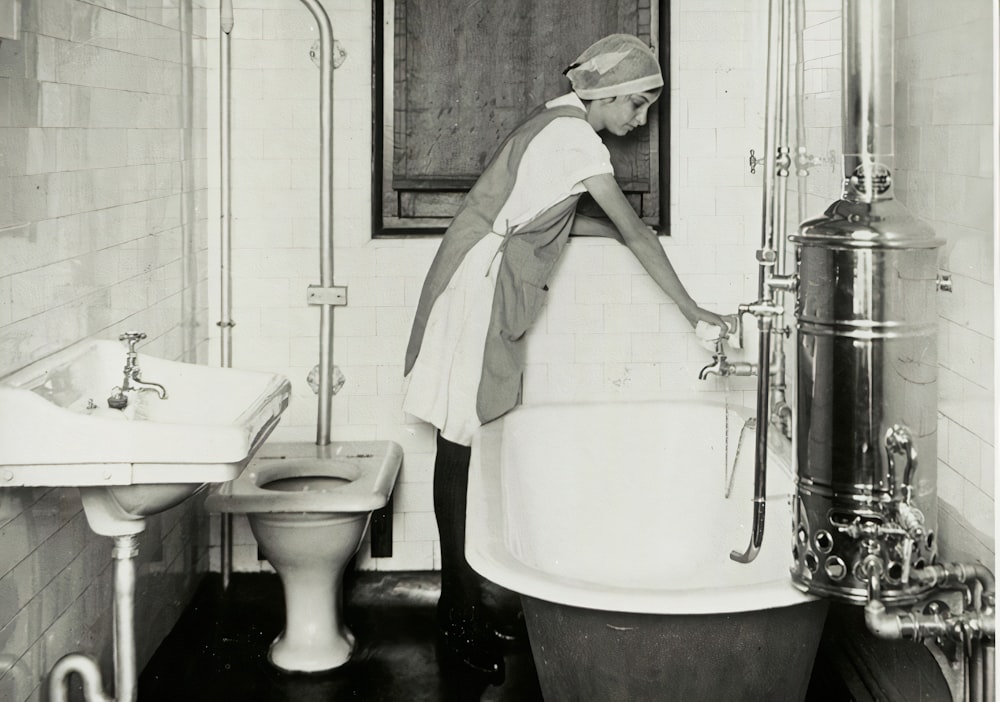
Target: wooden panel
{"x": 465, "y": 74}
{"x": 471, "y": 72}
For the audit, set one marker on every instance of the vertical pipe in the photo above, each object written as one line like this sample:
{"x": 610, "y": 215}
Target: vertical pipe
{"x": 800, "y": 91}
{"x": 226, "y": 22}
{"x": 126, "y": 674}
{"x": 766, "y": 257}
{"x": 868, "y": 99}
{"x": 781, "y": 138}
{"x": 780, "y": 411}
{"x": 325, "y": 400}
{"x": 126, "y": 669}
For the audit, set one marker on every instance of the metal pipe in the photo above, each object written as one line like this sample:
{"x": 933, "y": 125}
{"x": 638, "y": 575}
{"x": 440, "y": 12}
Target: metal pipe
{"x": 124, "y": 552}
{"x": 226, "y": 23}
{"x": 778, "y": 407}
{"x": 904, "y": 623}
{"x": 800, "y": 91}
{"x": 766, "y": 257}
{"x": 952, "y": 575}
{"x": 989, "y": 669}
{"x": 760, "y": 452}
{"x": 868, "y": 105}
{"x": 976, "y": 674}
{"x": 325, "y": 398}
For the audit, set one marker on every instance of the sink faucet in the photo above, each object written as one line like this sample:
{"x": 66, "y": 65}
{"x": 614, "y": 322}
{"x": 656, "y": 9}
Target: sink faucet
{"x": 722, "y": 367}
{"x": 132, "y": 375}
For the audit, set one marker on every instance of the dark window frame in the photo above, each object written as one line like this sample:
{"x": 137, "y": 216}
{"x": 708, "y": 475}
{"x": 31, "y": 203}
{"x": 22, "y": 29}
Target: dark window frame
{"x": 379, "y": 228}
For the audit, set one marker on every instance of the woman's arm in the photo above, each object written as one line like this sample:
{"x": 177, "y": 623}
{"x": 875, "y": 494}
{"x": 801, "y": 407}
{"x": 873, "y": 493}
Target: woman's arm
{"x": 591, "y": 226}
{"x": 643, "y": 243}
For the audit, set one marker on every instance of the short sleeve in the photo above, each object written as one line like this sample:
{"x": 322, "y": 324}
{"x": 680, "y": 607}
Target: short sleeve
{"x": 554, "y": 165}
{"x": 577, "y": 152}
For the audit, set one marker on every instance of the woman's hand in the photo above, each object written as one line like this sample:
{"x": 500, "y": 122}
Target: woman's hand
{"x": 698, "y": 314}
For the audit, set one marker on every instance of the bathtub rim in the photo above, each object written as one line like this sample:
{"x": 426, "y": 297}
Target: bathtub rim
{"x": 487, "y": 553}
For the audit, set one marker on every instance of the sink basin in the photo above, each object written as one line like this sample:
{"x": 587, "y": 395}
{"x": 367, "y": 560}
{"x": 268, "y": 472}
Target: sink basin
{"x": 56, "y": 429}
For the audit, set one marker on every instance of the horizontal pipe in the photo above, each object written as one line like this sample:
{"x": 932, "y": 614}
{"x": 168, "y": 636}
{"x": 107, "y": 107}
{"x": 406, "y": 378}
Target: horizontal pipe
{"x": 950, "y": 575}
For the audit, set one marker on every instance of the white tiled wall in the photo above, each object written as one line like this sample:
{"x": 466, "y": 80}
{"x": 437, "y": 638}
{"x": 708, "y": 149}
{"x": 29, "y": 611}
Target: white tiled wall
{"x": 607, "y": 332}
{"x": 102, "y": 229}
{"x": 944, "y": 104}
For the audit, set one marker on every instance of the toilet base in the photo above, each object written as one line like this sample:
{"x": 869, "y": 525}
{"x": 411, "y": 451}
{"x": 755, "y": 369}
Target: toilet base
{"x": 310, "y": 552}
{"x": 312, "y": 657}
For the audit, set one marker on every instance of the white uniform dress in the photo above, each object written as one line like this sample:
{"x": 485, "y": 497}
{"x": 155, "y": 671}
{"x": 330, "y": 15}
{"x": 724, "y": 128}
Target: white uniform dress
{"x": 444, "y": 382}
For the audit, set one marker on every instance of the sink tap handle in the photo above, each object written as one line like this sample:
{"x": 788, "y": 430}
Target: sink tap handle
{"x": 133, "y": 338}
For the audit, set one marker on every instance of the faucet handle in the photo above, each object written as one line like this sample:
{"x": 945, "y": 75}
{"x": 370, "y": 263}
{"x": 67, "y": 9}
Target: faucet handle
{"x": 133, "y": 338}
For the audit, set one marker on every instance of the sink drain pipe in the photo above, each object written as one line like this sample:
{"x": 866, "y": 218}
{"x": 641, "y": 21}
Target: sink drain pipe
{"x": 124, "y": 552}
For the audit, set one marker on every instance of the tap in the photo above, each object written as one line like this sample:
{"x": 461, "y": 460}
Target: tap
{"x": 133, "y": 375}
{"x": 721, "y": 366}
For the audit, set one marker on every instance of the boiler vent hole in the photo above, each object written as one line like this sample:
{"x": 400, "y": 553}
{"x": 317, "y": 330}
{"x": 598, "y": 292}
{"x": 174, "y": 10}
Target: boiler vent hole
{"x": 835, "y": 568}
{"x": 824, "y": 541}
{"x": 811, "y": 563}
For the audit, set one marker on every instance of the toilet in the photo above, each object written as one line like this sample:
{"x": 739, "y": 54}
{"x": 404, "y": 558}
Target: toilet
{"x": 309, "y": 507}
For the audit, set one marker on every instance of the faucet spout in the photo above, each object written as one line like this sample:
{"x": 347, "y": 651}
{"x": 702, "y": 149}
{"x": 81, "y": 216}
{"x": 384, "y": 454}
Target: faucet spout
{"x": 719, "y": 366}
{"x": 138, "y": 383}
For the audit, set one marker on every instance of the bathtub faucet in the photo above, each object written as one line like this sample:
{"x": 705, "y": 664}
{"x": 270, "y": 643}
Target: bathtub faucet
{"x": 132, "y": 375}
{"x": 721, "y": 366}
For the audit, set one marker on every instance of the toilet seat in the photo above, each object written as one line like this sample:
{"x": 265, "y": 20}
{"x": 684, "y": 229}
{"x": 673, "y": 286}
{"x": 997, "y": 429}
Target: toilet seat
{"x": 370, "y": 468}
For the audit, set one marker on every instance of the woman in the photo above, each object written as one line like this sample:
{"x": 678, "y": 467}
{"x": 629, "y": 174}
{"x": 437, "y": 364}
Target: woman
{"x": 487, "y": 285}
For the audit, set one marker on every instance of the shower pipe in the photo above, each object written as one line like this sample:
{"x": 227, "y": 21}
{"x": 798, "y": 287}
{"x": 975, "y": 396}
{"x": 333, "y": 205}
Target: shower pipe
{"x": 768, "y": 307}
{"x": 781, "y": 412}
{"x": 326, "y": 295}
{"x": 226, "y": 324}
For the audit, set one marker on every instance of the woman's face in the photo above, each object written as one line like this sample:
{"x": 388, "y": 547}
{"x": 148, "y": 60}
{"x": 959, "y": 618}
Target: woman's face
{"x": 626, "y": 112}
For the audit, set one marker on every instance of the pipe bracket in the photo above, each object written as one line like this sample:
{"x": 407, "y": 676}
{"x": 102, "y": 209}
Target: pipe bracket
{"x": 333, "y": 295}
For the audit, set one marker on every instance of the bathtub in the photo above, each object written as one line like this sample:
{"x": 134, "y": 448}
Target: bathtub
{"x": 611, "y": 521}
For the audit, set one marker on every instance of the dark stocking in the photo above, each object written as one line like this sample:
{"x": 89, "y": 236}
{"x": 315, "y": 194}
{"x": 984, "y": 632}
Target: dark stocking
{"x": 465, "y": 637}
{"x": 460, "y": 584}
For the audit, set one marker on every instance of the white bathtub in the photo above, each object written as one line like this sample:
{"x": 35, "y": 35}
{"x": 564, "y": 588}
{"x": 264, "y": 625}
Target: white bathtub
{"x": 611, "y": 522}
{"x": 620, "y": 506}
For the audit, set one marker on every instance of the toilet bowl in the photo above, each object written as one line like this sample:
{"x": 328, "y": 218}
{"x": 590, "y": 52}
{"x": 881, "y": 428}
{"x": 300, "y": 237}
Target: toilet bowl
{"x": 308, "y": 507}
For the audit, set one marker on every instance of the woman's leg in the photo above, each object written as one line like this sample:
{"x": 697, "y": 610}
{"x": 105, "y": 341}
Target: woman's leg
{"x": 460, "y": 584}
{"x": 460, "y": 611}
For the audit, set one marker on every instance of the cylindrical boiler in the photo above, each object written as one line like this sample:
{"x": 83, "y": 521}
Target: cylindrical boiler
{"x": 866, "y": 396}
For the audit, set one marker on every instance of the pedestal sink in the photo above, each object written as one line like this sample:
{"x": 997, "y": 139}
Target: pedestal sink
{"x": 137, "y": 435}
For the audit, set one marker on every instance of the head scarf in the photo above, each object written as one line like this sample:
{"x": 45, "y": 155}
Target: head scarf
{"x": 619, "y": 64}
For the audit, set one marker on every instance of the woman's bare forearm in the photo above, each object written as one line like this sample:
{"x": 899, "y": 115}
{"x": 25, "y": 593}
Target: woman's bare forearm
{"x": 644, "y": 244}
{"x": 592, "y": 226}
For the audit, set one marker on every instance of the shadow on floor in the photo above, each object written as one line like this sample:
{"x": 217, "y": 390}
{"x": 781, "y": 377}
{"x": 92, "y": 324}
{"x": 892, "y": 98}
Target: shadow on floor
{"x": 218, "y": 651}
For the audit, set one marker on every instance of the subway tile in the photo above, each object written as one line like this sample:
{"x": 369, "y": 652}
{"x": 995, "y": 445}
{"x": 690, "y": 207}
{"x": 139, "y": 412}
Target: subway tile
{"x": 419, "y": 526}
{"x": 657, "y": 347}
{"x": 602, "y": 348}
{"x": 575, "y": 319}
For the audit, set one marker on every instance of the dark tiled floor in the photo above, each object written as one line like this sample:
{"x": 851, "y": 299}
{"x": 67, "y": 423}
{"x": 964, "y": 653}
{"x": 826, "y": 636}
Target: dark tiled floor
{"x": 217, "y": 652}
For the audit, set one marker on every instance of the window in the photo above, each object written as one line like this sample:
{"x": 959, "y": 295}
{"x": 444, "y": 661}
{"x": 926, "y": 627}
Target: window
{"x": 452, "y": 78}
